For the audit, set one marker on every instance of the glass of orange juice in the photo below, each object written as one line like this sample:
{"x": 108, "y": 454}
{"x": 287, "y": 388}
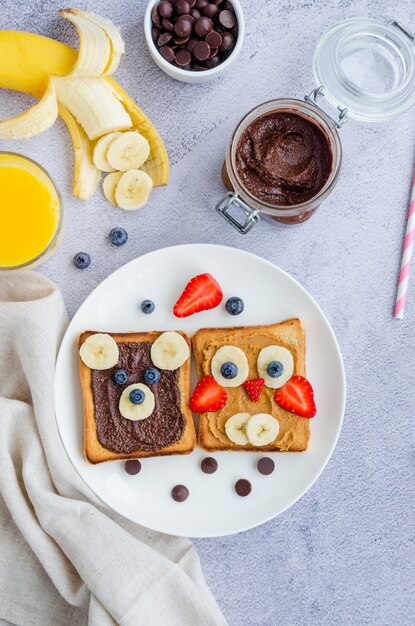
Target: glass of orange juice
{"x": 31, "y": 212}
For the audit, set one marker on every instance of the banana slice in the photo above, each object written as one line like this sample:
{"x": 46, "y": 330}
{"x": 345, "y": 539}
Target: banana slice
{"x": 225, "y": 375}
{"x": 133, "y": 190}
{"x": 262, "y": 429}
{"x": 128, "y": 152}
{"x": 99, "y": 352}
{"x": 135, "y": 412}
{"x": 33, "y": 121}
{"x": 100, "y": 152}
{"x": 282, "y": 372}
{"x": 169, "y": 351}
{"x": 110, "y": 185}
{"x": 235, "y": 428}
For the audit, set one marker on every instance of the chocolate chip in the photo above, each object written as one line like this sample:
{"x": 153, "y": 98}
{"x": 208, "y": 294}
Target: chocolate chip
{"x": 183, "y": 57}
{"x": 201, "y": 51}
{"x": 183, "y": 28}
{"x": 201, "y": 3}
{"x": 189, "y": 18}
{"x": 181, "y": 41}
{"x": 163, "y": 39}
{"x": 155, "y": 33}
{"x": 212, "y": 62}
{"x": 180, "y": 493}
{"x": 210, "y": 10}
{"x": 165, "y": 9}
{"x": 227, "y": 42}
{"x": 243, "y": 487}
{"x": 203, "y": 26}
{"x": 191, "y": 44}
{"x": 209, "y": 465}
{"x": 195, "y": 14}
{"x": 155, "y": 16}
{"x": 167, "y": 25}
{"x": 214, "y": 39}
{"x": 227, "y": 18}
{"x": 181, "y": 7}
{"x": 132, "y": 467}
{"x": 213, "y": 53}
{"x": 265, "y": 466}
{"x": 167, "y": 53}
{"x": 191, "y": 3}
{"x": 228, "y": 6}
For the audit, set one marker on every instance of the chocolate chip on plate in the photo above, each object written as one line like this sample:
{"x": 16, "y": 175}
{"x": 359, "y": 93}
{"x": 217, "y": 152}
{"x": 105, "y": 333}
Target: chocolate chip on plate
{"x": 167, "y": 53}
{"x": 214, "y": 39}
{"x": 132, "y": 467}
{"x": 180, "y": 493}
{"x": 183, "y": 57}
{"x": 227, "y": 18}
{"x": 209, "y": 465}
{"x": 165, "y": 9}
{"x": 265, "y": 466}
{"x": 203, "y": 26}
{"x": 243, "y": 487}
{"x": 201, "y": 51}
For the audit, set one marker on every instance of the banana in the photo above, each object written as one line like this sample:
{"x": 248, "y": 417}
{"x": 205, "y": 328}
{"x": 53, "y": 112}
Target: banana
{"x": 93, "y": 103}
{"x": 110, "y": 185}
{"x": 169, "y": 351}
{"x": 100, "y": 152}
{"x": 112, "y": 32}
{"x": 136, "y": 412}
{"x": 133, "y": 190}
{"x": 272, "y": 355}
{"x": 27, "y": 61}
{"x": 128, "y": 151}
{"x": 262, "y": 429}
{"x": 230, "y": 355}
{"x": 94, "y": 45}
{"x": 99, "y": 352}
{"x": 86, "y": 175}
{"x": 33, "y": 121}
{"x": 235, "y": 428}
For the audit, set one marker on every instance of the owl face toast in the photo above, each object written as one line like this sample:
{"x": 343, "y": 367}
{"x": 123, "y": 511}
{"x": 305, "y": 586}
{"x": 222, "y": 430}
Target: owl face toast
{"x": 135, "y": 389}
{"x": 253, "y": 373}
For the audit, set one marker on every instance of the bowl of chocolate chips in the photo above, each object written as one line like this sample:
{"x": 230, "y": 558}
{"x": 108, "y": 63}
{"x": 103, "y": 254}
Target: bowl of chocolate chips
{"x": 194, "y": 40}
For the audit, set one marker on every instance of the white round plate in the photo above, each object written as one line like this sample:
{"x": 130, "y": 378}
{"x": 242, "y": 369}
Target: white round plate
{"x": 213, "y": 508}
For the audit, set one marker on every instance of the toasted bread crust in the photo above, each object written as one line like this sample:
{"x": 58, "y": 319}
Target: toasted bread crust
{"x": 289, "y": 333}
{"x": 93, "y": 450}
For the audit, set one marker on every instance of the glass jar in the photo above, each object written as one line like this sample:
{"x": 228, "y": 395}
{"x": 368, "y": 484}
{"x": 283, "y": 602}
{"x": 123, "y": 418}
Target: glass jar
{"x": 41, "y": 241}
{"x": 366, "y": 69}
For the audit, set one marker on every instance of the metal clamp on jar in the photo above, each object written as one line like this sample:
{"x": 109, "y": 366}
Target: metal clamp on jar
{"x": 363, "y": 67}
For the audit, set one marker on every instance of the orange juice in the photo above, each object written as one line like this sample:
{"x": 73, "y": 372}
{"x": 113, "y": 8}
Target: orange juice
{"x": 29, "y": 211}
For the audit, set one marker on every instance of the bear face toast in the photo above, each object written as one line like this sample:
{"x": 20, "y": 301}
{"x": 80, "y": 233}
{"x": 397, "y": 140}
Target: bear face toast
{"x": 135, "y": 389}
{"x": 249, "y": 371}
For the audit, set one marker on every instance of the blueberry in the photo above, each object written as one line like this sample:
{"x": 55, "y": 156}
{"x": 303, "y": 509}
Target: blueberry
{"x": 151, "y": 376}
{"x": 137, "y": 396}
{"x": 229, "y": 370}
{"x": 147, "y": 306}
{"x": 120, "y": 377}
{"x": 275, "y": 369}
{"x": 82, "y": 260}
{"x": 235, "y": 306}
{"x": 118, "y": 236}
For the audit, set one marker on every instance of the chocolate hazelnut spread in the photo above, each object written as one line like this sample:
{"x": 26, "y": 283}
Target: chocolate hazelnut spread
{"x": 164, "y": 426}
{"x": 283, "y": 158}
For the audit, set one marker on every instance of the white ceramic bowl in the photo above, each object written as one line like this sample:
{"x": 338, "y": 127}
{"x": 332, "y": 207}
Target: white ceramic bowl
{"x": 188, "y": 76}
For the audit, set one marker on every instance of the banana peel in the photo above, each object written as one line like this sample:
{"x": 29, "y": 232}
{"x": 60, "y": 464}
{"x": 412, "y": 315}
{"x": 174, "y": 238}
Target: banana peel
{"x": 28, "y": 60}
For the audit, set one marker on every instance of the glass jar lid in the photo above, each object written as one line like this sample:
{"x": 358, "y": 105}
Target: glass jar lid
{"x": 367, "y": 66}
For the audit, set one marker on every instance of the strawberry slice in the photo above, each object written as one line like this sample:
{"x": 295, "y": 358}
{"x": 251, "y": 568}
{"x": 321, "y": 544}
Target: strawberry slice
{"x": 297, "y": 396}
{"x": 254, "y": 388}
{"x": 203, "y": 292}
{"x": 208, "y": 396}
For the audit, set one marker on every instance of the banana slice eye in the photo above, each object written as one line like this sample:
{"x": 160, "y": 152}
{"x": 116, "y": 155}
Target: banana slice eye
{"x": 137, "y": 402}
{"x": 275, "y": 365}
{"x": 229, "y": 366}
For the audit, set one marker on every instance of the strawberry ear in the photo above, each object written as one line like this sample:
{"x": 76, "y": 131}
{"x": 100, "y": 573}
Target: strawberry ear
{"x": 297, "y": 396}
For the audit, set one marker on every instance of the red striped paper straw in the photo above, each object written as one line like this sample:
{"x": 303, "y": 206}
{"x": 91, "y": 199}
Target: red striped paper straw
{"x": 408, "y": 246}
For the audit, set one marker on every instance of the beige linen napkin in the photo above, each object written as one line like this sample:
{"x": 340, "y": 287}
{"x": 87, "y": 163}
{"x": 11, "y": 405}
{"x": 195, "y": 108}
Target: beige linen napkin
{"x": 64, "y": 558}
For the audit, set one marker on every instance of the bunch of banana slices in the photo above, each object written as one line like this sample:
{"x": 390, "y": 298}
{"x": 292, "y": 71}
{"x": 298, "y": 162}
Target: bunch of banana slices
{"x": 258, "y": 430}
{"x": 110, "y": 133}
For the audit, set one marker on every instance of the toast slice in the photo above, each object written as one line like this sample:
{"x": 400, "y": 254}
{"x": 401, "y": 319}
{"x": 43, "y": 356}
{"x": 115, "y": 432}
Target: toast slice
{"x": 294, "y": 430}
{"x": 107, "y": 435}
